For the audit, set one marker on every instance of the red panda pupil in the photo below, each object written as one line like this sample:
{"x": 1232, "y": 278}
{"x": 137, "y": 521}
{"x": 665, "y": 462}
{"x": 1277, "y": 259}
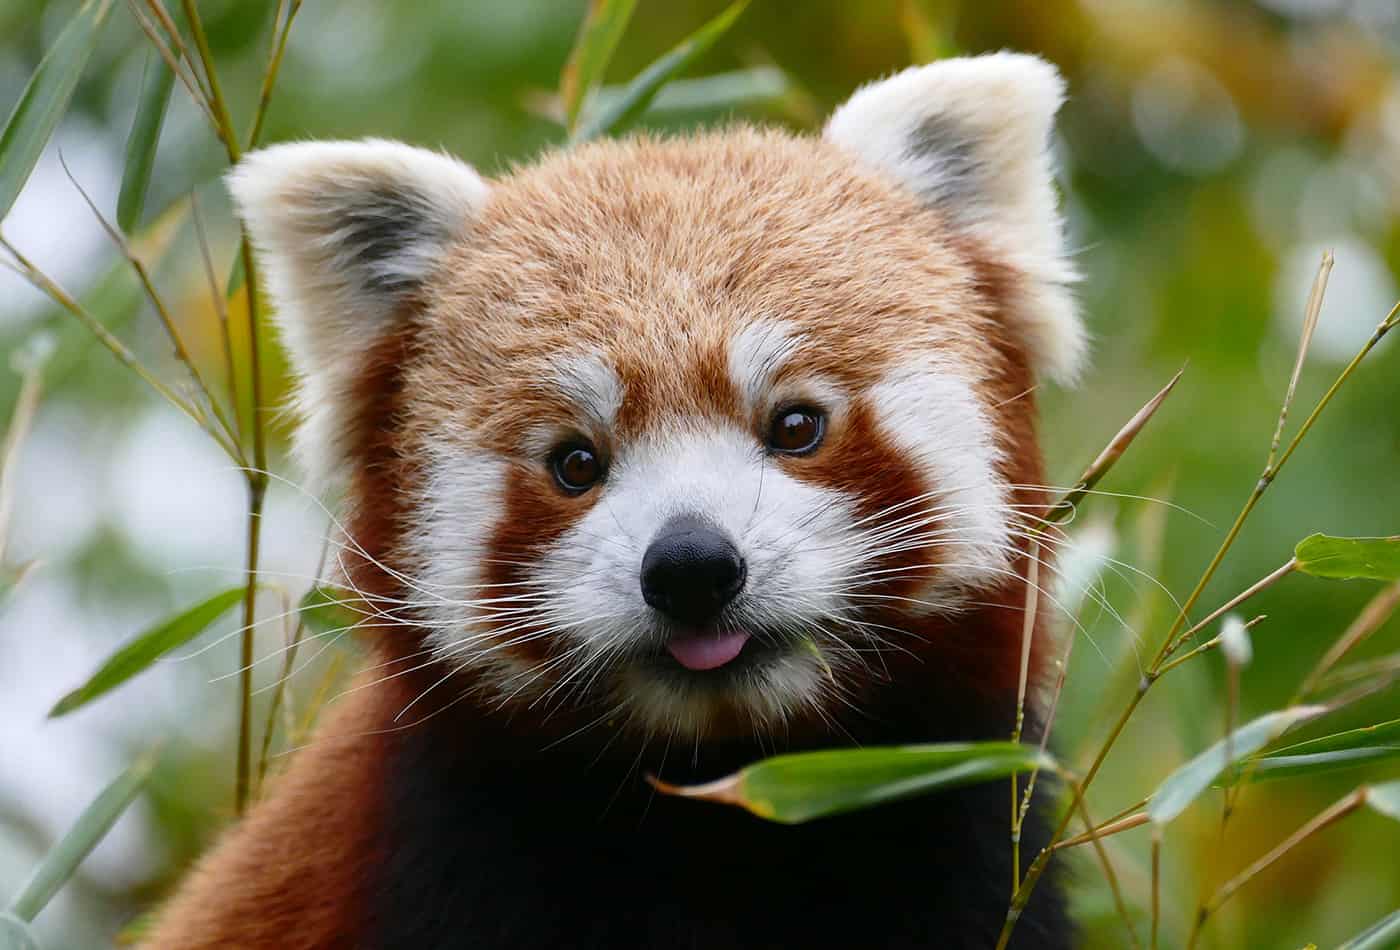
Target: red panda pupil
{"x": 577, "y": 468}
{"x": 796, "y": 430}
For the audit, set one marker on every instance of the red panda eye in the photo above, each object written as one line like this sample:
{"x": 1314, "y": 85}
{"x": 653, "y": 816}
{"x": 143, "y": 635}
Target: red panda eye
{"x": 577, "y": 468}
{"x": 797, "y": 430}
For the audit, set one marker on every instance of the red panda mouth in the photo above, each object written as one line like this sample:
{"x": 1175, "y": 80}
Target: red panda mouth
{"x": 707, "y": 651}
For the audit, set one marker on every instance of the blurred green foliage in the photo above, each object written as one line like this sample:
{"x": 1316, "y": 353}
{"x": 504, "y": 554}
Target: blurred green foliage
{"x": 1210, "y": 151}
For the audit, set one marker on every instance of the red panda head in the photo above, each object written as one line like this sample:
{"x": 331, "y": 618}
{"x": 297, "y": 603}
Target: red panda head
{"x": 691, "y": 432}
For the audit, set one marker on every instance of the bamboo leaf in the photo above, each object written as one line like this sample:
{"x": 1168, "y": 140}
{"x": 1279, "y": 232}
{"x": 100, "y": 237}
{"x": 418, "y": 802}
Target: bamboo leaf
{"x": 795, "y": 788}
{"x": 1112, "y": 452}
{"x": 143, "y": 650}
{"x": 157, "y": 81}
{"x": 598, "y": 37}
{"x": 637, "y": 95}
{"x": 1327, "y": 753}
{"x": 97, "y": 819}
{"x": 1385, "y": 798}
{"x": 45, "y": 99}
{"x": 1376, "y": 559}
{"x": 331, "y": 610}
{"x": 1184, "y": 785}
{"x": 713, "y": 93}
{"x": 1384, "y": 934}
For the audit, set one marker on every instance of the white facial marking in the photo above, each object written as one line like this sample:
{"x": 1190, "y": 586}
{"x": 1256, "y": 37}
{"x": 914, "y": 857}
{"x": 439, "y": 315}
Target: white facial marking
{"x": 452, "y": 524}
{"x": 591, "y": 385}
{"x": 756, "y": 354}
{"x": 933, "y": 414}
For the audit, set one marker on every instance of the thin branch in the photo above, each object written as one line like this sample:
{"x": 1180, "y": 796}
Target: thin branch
{"x": 187, "y": 76}
{"x": 1028, "y": 619}
{"x": 216, "y": 295}
{"x": 286, "y": 12}
{"x": 1345, "y": 806}
{"x": 230, "y": 443}
{"x": 1108, "y": 871}
{"x": 1265, "y": 582}
{"x": 1211, "y": 644}
{"x": 116, "y": 347}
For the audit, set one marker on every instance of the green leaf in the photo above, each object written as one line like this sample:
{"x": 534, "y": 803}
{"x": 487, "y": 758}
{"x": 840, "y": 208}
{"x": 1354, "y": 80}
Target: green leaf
{"x": 597, "y": 41}
{"x": 714, "y": 93}
{"x": 146, "y": 648}
{"x": 637, "y": 94}
{"x": 1384, "y": 934}
{"x": 1327, "y": 753}
{"x": 1184, "y": 785}
{"x": 1376, "y": 559}
{"x": 97, "y": 819}
{"x": 45, "y": 99}
{"x": 157, "y": 80}
{"x": 331, "y": 610}
{"x": 1385, "y": 798}
{"x": 795, "y": 788}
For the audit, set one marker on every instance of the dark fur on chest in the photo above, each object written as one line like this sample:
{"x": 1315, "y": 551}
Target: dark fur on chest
{"x": 487, "y": 842}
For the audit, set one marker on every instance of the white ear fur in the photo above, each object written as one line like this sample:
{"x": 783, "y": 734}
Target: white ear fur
{"x": 347, "y": 232}
{"x": 971, "y": 136}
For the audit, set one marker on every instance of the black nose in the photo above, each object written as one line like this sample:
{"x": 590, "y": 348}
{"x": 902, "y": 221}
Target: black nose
{"x": 690, "y": 571}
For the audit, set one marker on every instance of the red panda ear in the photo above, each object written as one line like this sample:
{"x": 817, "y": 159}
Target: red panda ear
{"x": 347, "y": 233}
{"x": 971, "y": 137}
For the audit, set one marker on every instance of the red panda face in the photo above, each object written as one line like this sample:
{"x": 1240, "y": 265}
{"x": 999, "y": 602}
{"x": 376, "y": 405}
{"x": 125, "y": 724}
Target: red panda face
{"x": 692, "y": 434}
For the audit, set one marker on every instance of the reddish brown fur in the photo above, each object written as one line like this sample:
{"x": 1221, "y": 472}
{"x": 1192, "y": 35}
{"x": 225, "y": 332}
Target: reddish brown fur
{"x": 654, "y": 253}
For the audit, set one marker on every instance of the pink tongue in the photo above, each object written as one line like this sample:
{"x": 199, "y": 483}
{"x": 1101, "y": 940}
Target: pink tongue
{"x": 707, "y": 652}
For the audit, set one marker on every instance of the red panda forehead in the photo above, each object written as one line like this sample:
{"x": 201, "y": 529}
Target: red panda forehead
{"x": 652, "y": 257}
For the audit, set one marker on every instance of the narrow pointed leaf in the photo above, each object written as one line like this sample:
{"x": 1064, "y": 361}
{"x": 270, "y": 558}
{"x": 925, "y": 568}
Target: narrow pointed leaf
{"x": 598, "y": 37}
{"x": 795, "y": 788}
{"x": 1385, "y": 798}
{"x": 1376, "y": 559}
{"x": 45, "y": 99}
{"x": 146, "y": 648}
{"x": 331, "y": 610}
{"x": 97, "y": 819}
{"x": 714, "y": 93}
{"x": 1112, "y": 452}
{"x": 637, "y": 94}
{"x": 157, "y": 81}
{"x": 1384, "y": 934}
{"x": 1327, "y": 753}
{"x": 1184, "y": 785}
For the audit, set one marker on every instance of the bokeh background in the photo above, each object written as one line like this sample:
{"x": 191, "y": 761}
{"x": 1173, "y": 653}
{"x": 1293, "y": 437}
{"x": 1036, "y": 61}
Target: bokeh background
{"x": 1210, "y": 152}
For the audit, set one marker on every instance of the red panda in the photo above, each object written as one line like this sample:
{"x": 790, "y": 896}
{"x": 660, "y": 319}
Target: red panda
{"x": 662, "y": 455}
